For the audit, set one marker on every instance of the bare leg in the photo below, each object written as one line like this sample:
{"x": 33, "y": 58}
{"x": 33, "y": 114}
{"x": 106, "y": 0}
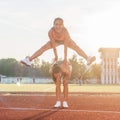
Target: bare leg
{"x": 41, "y": 50}
{"x": 75, "y": 47}
{"x": 65, "y": 90}
{"x": 58, "y": 88}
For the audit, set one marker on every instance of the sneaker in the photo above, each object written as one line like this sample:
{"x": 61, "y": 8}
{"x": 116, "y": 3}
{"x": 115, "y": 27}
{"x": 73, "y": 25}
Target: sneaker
{"x": 90, "y": 60}
{"x": 65, "y": 105}
{"x": 26, "y": 61}
{"x": 58, "y": 104}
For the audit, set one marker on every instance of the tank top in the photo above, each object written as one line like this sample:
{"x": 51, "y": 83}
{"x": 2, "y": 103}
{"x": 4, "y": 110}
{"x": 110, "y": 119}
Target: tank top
{"x": 59, "y": 36}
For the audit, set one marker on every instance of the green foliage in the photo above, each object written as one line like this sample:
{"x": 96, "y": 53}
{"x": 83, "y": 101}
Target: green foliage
{"x": 7, "y": 66}
{"x": 11, "y": 67}
{"x": 78, "y": 67}
{"x": 44, "y": 68}
{"x": 96, "y": 72}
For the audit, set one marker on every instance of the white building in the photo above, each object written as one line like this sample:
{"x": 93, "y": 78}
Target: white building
{"x": 109, "y": 65}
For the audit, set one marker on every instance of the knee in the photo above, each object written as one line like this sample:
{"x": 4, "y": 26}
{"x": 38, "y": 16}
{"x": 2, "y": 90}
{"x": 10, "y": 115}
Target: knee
{"x": 58, "y": 84}
{"x": 65, "y": 83}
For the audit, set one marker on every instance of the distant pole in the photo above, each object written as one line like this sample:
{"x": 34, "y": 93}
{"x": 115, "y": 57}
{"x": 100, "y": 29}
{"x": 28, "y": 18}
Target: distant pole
{"x": 0, "y": 78}
{"x": 33, "y": 79}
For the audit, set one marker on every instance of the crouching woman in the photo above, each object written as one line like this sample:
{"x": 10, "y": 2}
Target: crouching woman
{"x": 61, "y": 72}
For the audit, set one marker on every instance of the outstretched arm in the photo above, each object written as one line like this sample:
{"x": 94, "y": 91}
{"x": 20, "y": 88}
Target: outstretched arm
{"x": 54, "y": 49}
{"x": 65, "y": 51}
{"x": 67, "y": 38}
{"x": 53, "y": 45}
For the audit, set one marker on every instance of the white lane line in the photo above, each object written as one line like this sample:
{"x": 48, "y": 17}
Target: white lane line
{"x": 60, "y": 110}
{"x": 44, "y": 94}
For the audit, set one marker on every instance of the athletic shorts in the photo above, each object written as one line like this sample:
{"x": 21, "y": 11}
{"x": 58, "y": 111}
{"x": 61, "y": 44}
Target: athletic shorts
{"x": 59, "y": 41}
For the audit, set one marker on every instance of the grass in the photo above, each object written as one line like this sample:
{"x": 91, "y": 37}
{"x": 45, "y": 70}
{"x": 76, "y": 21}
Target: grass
{"x": 96, "y": 88}
{"x": 51, "y": 88}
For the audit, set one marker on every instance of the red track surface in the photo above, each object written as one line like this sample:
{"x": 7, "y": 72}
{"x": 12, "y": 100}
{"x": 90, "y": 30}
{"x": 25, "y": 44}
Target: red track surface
{"x": 39, "y": 106}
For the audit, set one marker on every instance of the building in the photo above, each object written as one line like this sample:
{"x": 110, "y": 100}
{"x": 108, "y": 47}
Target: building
{"x": 109, "y": 65}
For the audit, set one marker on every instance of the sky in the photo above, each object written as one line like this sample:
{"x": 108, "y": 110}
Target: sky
{"x": 24, "y": 26}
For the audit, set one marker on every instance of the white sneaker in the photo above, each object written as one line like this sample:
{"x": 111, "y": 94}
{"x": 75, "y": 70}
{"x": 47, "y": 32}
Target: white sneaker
{"x": 90, "y": 60}
{"x": 58, "y": 104}
{"x": 65, "y": 104}
{"x": 26, "y": 61}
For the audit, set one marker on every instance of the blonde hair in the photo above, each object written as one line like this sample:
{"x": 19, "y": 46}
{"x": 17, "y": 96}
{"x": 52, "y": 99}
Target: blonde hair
{"x": 58, "y": 18}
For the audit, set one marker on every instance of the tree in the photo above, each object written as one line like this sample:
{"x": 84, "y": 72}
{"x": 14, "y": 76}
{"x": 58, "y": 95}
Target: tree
{"x": 75, "y": 66}
{"x": 44, "y": 69}
{"x": 78, "y": 67}
{"x": 36, "y": 63}
{"x": 7, "y": 66}
{"x": 11, "y": 67}
{"x": 96, "y": 72}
